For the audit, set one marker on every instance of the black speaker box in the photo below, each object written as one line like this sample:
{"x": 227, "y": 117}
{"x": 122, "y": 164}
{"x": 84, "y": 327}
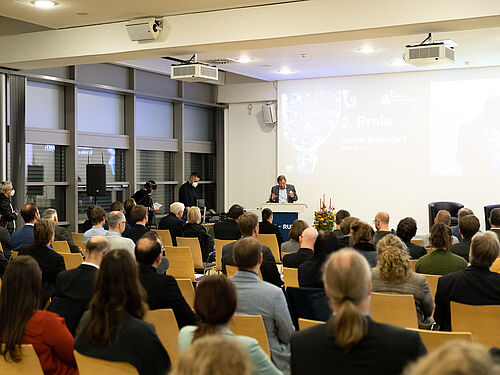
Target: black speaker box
{"x": 96, "y": 180}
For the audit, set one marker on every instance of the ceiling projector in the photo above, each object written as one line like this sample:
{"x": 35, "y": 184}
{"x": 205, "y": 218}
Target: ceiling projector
{"x": 194, "y": 72}
{"x": 431, "y": 53}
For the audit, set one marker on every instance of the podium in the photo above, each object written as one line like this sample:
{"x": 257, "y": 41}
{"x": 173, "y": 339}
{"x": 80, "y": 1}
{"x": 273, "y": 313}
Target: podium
{"x": 284, "y": 214}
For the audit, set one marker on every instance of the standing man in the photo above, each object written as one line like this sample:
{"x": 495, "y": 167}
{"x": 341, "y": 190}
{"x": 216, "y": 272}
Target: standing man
{"x": 7, "y": 214}
{"x": 187, "y": 192}
{"x": 143, "y": 197}
{"x": 283, "y": 192}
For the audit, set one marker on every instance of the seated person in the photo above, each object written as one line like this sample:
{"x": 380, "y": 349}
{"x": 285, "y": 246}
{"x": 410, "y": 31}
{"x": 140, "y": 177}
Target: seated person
{"x": 215, "y": 304}
{"x": 120, "y": 207}
{"x": 311, "y": 271}
{"x": 345, "y": 227}
{"x": 5, "y": 242}
{"x": 469, "y": 226}
{"x": 21, "y": 321}
{"x": 455, "y": 230}
{"x": 61, "y": 233}
{"x": 140, "y": 216}
{"x": 362, "y": 239}
{"x": 113, "y": 328}
{"x": 292, "y": 245}
{"x": 117, "y": 224}
{"x": 128, "y": 205}
{"x": 228, "y": 229}
{"x": 162, "y": 290}
{"x": 352, "y": 343}
{"x": 193, "y": 228}
{"x": 339, "y": 216}
{"x": 407, "y": 229}
{"x": 266, "y": 226}
{"x": 444, "y": 217}
{"x": 393, "y": 274}
{"x": 173, "y": 221}
{"x": 98, "y": 218}
{"x": 440, "y": 261}
{"x": 87, "y": 224}
{"x": 382, "y": 226}
{"x": 305, "y": 253}
{"x": 24, "y": 236}
{"x": 475, "y": 285}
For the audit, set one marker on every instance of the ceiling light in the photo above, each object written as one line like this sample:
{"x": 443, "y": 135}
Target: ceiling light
{"x": 44, "y": 4}
{"x": 366, "y": 49}
{"x": 285, "y": 70}
{"x": 244, "y": 60}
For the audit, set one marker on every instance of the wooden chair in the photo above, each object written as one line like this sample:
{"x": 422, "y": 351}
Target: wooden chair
{"x": 187, "y": 290}
{"x": 251, "y": 326}
{"x": 481, "y": 320}
{"x": 181, "y": 262}
{"x": 434, "y": 339}
{"x": 432, "y": 280}
{"x": 291, "y": 277}
{"x": 78, "y": 240}
{"x": 1, "y": 248}
{"x": 307, "y": 323}
{"x": 396, "y": 309}
{"x": 165, "y": 236}
{"x": 219, "y": 244}
{"x": 416, "y": 242}
{"x": 231, "y": 270}
{"x": 194, "y": 247}
{"x": 271, "y": 242}
{"x": 413, "y": 262}
{"x": 72, "y": 260}
{"x": 13, "y": 254}
{"x": 95, "y": 366}
{"x": 30, "y": 364}
{"x": 167, "y": 330}
{"x": 62, "y": 247}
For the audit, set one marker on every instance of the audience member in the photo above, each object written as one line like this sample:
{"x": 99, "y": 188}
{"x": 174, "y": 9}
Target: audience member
{"x": 311, "y": 271}
{"x": 494, "y": 220}
{"x": 61, "y": 233}
{"x": 475, "y": 285}
{"x": 117, "y": 223}
{"x": 440, "y": 261}
{"x": 249, "y": 226}
{"x": 256, "y": 297}
{"x": 74, "y": 288}
{"x": 407, "y": 229}
{"x": 5, "y": 242}
{"x": 24, "y": 237}
{"x": 215, "y": 303}
{"x": 173, "y": 221}
{"x": 292, "y": 245}
{"x": 162, "y": 290}
{"x": 393, "y": 274}
{"x": 164, "y": 263}
{"x": 339, "y": 216}
{"x": 362, "y": 240}
{"x": 140, "y": 216}
{"x": 305, "y": 253}
{"x": 119, "y": 206}
{"x": 87, "y": 224}
{"x": 214, "y": 355}
{"x": 228, "y": 229}
{"x": 345, "y": 227}
{"x": 128, "y": 205}
{"x": 98, "y": 218}
{"x": 266, "y": 226}
{"x": 444, "y": 217}
{"x": 469, "y": 226}
{"x": 455, "y": 230}
{"x": 193, "y": 228}
{"x": 21, "y": 321}
{"x": 113, "y": 328}
{"x": 351, "y": 342}
{"x": 8, "y": 215}
{"x": 381, "y": 222}
{"x": 3, "y": 259}
{"x": 50, "y": 262}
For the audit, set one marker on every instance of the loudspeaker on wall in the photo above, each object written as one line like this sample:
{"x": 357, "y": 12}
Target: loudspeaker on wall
{"x": 96, "y": 180}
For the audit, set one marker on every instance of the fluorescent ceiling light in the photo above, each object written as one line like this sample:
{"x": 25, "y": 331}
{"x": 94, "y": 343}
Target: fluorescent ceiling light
{"x": 366, "y": 49}
{"x": 285, "y": 70}
{"x": 244, "y": 60}
{"x": 44, "y": 4}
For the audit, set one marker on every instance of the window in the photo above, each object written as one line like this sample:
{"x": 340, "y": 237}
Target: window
{"x": 114, "y": 159}
{"x": 44, "y": 106}
{"x": 198, "y": 124}
{"x": 48, "y": 197}
{"x": 204, "y": 164}
{"x": 154, "y": 118}
{"x": 155, "y": 165}
{"x": 45, "y": 163}
{"x": 100, "y": 112}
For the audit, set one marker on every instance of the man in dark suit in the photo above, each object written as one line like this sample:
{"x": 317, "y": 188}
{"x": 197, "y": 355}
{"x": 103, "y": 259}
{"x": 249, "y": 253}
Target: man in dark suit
{"x": 495, "y": 221}
{"x": 228, "y": 229}
{"x": 74, "y": 288}
{"x": 455, "y": 230}
{"x": 24, "y": 237}
{"x": 381, "y": 222}
{"x": 173, "y": 221}
{"x": 187, "y": 191}
{"x": 5, "y": 241}
{"x": 406, "y": 230}
{"x": 378, "y": 349}
{"x": 163, "y": 291}
{"x": 140, "y": 216}
{"x": 339, "y": 216}
{"x": 476, "y": 285}
{"x": 306, "y": 250}
{"x": 61, "y": 233}
{"x": 249, "y": 227}
{"x": 266, "y": 226}
{"x": 283, "y": 192}
{"x": 345, "y": 227}
{"x": 469, "y": 226}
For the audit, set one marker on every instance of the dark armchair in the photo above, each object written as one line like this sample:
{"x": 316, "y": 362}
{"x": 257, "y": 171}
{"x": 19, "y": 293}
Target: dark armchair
{"x": 451, "y": 207}
{"x": 487, "y": 211}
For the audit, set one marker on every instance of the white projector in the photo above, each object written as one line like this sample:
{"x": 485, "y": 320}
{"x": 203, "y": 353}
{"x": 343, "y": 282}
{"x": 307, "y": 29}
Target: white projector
{"x": 194, "y": 72}
{"x": 429, "y": 54}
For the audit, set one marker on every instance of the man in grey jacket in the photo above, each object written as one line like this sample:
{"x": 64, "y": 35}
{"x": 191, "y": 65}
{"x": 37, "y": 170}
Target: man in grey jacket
{"x": 283, "y": 192}
{"x": 257, "y": 297}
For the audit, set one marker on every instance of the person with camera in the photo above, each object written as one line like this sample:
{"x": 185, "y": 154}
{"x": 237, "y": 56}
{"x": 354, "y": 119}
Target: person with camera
{"x": 143, "y": 197}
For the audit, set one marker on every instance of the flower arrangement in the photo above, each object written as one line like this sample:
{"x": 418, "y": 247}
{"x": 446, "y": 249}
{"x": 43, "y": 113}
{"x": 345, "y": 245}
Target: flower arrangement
{"x": 324, "y": 218}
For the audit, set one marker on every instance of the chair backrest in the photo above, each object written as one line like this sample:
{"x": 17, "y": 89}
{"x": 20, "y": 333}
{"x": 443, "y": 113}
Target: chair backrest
{"x": 413, "y": 262}
{"x": 13, "y": 253}
{"x": 396, "y": 309}
{"x": 30, "y": 364}
{"x": 307, "y": 323}
{"x": 78, "y": 239}
{"x": 416, "y": 242}
{"x": 481, "y": 320}
{"x": 291, "y": 277}
{"x": 231, "y": 270}
{"x": 165, "y": 236}
{"x": 1, "y": 248}
{"x": 95, "y": 366}
{"x": 451, "y": 207}
{"x": 271, "y": 242}
{"x": 194, "y": 247}
{"x": 219, "y": 244}
{"x": 434, "y": 339}
{"x": 181, "y": 262}
{"x": 487, "y": 211}
{"x": 251, "y": 326}
{"x": 432, "y": 280}
{"x": 187, "y": 290}
{"x": 62, "y": 247}
{"x": 72, "y": 260}
{"x": 167, "y": 330}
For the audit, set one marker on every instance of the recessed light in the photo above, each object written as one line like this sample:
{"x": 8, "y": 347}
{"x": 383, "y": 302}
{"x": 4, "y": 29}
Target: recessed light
{"x": 285, "y": 70}
{"x": 366, "y": 49}
{"x": 44, "y": 4}
{"x": 244, "y": 60}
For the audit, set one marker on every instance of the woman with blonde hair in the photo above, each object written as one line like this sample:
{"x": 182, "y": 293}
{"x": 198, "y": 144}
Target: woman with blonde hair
{"x": 351, "y": 342}
{"x": 193, "y": 228}
{"x": 362, "y": 240}
{"x": 393, "y": 274}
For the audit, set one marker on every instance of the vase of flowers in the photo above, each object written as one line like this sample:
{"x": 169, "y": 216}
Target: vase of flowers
{"x": 324, "y": 218}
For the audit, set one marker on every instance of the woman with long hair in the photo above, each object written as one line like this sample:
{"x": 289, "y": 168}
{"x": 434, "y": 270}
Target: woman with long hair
{"x": 113, "y": 327}
{"x": 311, "y": 272}
{"x": 362, "y": 240}
{"x": 215, "y": 304}
{"x": 21, "y": 321}
{"x": 394, "y": 274}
